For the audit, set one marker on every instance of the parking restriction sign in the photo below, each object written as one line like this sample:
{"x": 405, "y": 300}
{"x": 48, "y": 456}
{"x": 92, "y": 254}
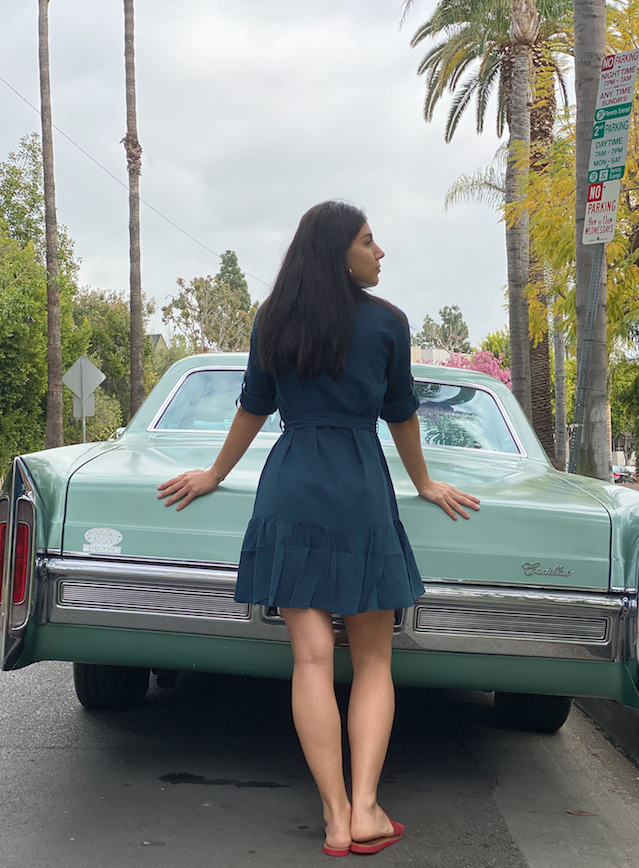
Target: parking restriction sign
{"x": 609, "y": 145}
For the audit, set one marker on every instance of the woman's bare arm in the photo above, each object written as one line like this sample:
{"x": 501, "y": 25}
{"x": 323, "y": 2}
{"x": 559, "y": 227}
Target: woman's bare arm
{"x": 187, "y": 486}
{"x": 451, "y": 500}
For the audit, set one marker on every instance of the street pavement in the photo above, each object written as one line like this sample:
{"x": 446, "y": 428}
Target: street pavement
{"x": 210, "y": 774}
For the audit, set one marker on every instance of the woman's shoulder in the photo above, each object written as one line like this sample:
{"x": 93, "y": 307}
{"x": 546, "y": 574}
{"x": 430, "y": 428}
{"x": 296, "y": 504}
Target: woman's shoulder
{"x": 384, "y": 314}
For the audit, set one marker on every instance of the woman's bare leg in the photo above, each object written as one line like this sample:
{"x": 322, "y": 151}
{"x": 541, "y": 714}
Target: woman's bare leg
{"x": 371, "y": 710}
{"x": 316, "y": 715}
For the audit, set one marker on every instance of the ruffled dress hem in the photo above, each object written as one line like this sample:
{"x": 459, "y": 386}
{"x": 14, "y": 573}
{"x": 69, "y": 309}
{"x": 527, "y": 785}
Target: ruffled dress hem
{"x": 345, "y": 571}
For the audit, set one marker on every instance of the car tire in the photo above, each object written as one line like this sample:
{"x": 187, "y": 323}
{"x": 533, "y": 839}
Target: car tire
{"x": 105, "y": 688}
{"x": 532, "y": 712}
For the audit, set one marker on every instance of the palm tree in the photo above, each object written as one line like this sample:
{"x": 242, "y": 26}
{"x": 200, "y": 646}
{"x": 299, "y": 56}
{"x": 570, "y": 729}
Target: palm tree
{"x": 134, "y": 164}
{"x": 523, "y": 33}
{"x": 590, "y": 47}
{"x": 488, "y": 186}
{"x": 54, "y": 431}
{"x": 488, "y": 41}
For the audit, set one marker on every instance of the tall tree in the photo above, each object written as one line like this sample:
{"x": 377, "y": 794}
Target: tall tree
{"x": 477, "y": 56}
{"x": 543, "y": 114}
{"x": 232, "y": 275}
{"x": 54, "y": 428}
{"x": 210, "y": 316}
{"x": 450, "y": 335}
{"x": 561, "y": 427}
{"x": 488, "y": 186}
{"x": 134, "y": 165}
{"x": 590, "y": 45}
{"x": 524, "y": 30}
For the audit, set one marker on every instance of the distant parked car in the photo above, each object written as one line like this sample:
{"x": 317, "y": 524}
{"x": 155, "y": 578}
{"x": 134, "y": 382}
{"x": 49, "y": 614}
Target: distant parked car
{"x": 535, "y": 597}
{"x": 620, "y": 473}
{"x": 632, "y": 470}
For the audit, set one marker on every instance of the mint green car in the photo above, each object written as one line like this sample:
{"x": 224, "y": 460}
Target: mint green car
{"x": 534, "y": 597}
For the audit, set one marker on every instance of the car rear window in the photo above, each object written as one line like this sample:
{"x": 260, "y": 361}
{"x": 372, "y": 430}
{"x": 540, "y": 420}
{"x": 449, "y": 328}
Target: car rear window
{"x": 462, "y": 416}
{"x": 205, "y": 401}
{"x": 449, "y": 415}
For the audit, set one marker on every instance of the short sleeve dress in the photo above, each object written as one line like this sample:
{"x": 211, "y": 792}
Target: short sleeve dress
{"x": 325, "y": 531}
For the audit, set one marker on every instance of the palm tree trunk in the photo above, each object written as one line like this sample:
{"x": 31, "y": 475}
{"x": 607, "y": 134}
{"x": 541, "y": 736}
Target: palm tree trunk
{"x": 559, "y": 344}
{"x": 590, "y": 44}
{"x": 542, "y": 119}
{"x": 524, "y": 28}
{"x": 540, "y": 387}
{"x": 54, "y": 430}
{"x": 134, "y": 163}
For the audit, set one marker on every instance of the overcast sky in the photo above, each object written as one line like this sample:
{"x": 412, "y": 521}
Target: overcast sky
{"x": 249, "y": 113}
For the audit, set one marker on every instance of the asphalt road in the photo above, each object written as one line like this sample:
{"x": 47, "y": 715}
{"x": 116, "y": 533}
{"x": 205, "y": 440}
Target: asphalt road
{"x": 210, "y": 774}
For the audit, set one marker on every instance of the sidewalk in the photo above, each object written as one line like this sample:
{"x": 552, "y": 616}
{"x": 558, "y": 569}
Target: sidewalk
{"x": 619, "y": 723}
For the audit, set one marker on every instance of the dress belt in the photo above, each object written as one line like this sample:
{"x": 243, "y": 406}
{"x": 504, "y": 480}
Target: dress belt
{"x": 331, "y": 422}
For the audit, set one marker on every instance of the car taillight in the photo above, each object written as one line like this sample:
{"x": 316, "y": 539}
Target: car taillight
{"x": 21, "y": 569}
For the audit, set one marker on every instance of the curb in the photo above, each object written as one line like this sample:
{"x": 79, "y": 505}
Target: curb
{"x": 619, "y": 723}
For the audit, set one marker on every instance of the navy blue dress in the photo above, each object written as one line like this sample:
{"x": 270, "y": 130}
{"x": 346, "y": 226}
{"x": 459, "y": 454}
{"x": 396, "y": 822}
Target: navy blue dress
{"x": 325, "y": 531}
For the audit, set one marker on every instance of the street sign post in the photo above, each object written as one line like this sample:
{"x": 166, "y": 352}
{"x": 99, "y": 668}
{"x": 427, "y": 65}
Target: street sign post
{"x": 606, "y": 168}
{"x": 83, "y": 378}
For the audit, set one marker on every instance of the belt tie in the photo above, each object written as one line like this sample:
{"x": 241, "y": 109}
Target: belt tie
{"x": 331, "y": 422}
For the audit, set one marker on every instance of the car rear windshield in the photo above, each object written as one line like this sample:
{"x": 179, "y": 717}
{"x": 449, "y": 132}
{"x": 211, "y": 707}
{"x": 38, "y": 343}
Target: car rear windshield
{"x": 205, "y": 401}
{"x": 449, "y": 415}
{"x": 463, "y": 416}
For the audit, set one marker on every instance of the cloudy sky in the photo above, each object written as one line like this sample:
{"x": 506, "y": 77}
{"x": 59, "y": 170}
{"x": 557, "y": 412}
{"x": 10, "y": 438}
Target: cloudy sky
{"x": 249, "y": 113}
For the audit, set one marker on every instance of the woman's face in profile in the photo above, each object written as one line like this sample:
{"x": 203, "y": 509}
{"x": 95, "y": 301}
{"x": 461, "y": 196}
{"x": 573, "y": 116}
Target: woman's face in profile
{"x": 363, "y": 258}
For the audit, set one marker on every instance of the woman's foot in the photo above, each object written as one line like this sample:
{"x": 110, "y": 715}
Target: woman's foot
{"x": 369, "y": 824}
{"x": 338, "y": 832}
{"x": 374, "y": 845}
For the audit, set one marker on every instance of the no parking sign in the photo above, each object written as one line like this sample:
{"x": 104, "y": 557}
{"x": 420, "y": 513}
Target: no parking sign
{"x": 609, "y": 145}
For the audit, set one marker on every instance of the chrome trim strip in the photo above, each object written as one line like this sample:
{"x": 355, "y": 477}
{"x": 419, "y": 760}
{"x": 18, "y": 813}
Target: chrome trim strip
{"x": 522, "y": 622}
{"x": 199, "y": 602}
{"x": 178, "y": 385}
{"x": 12, "y": 634}
{"x": 141, "y": 560}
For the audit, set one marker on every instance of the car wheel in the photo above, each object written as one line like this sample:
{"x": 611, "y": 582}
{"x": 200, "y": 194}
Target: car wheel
{"x": 532, "y": 712}
{"x": 110, "y": 687}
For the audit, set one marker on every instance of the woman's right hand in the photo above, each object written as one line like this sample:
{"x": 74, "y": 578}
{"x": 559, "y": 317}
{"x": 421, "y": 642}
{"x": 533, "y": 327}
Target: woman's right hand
{"x": 187, "y": 486}
{"x": 451, "y": 499}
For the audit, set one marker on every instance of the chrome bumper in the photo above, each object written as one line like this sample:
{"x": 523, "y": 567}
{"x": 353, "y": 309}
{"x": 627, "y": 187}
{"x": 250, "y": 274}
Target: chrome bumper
{"x": 198, "y": 599}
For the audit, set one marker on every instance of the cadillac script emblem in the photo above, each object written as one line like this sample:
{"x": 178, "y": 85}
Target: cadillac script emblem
{"x": 539, "y": 570}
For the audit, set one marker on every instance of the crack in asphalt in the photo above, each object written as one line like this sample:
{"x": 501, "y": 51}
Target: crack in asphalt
{"x": 187, "y": 778}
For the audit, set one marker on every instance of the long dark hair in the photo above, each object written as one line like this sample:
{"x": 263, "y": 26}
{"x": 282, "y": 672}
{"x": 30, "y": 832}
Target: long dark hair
{"x": 307, "y": 320}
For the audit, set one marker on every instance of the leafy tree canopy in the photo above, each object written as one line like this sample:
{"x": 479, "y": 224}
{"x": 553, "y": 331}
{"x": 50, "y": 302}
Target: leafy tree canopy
{"x": 102, "y": 316}
{"x": 498, "y": 343}
{"x": 210, "y": 316}
{"x": 23, "y": 303}
{"x": 451, "y": 334}
{"x": 231, "y": 274}
{"x": 22, "y": 206}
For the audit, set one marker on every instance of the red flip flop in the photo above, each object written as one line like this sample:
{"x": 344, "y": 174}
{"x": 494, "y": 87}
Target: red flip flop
{"x": 377, "y": 844}
{"x": 331, "y": 851}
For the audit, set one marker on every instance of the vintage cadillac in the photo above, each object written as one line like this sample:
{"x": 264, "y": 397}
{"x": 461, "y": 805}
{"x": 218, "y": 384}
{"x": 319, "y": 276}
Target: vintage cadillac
{"x": 534, "y": 597}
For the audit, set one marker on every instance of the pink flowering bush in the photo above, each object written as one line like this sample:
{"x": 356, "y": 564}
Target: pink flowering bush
{"x": 483, "y": 361}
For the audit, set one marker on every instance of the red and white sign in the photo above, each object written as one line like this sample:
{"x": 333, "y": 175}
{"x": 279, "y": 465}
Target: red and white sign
{"x": 601, "y": 212}
{"x": 609, "y": 144}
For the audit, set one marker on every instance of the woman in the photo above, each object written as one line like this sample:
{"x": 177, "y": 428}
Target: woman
{"x": 325, "y": 536}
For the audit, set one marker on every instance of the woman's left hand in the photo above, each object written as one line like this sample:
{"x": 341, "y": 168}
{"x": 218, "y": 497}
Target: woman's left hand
{"x": 187, "y": 486}
{"x": 451, "y": 499}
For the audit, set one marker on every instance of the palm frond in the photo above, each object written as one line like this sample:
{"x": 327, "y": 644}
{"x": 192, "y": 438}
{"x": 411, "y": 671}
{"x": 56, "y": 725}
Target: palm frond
{"x": 471, "y": 40}
{"x": 488, "y": 75}
{"x": 459, "y": 106}
{"x": 485, "y": 186}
